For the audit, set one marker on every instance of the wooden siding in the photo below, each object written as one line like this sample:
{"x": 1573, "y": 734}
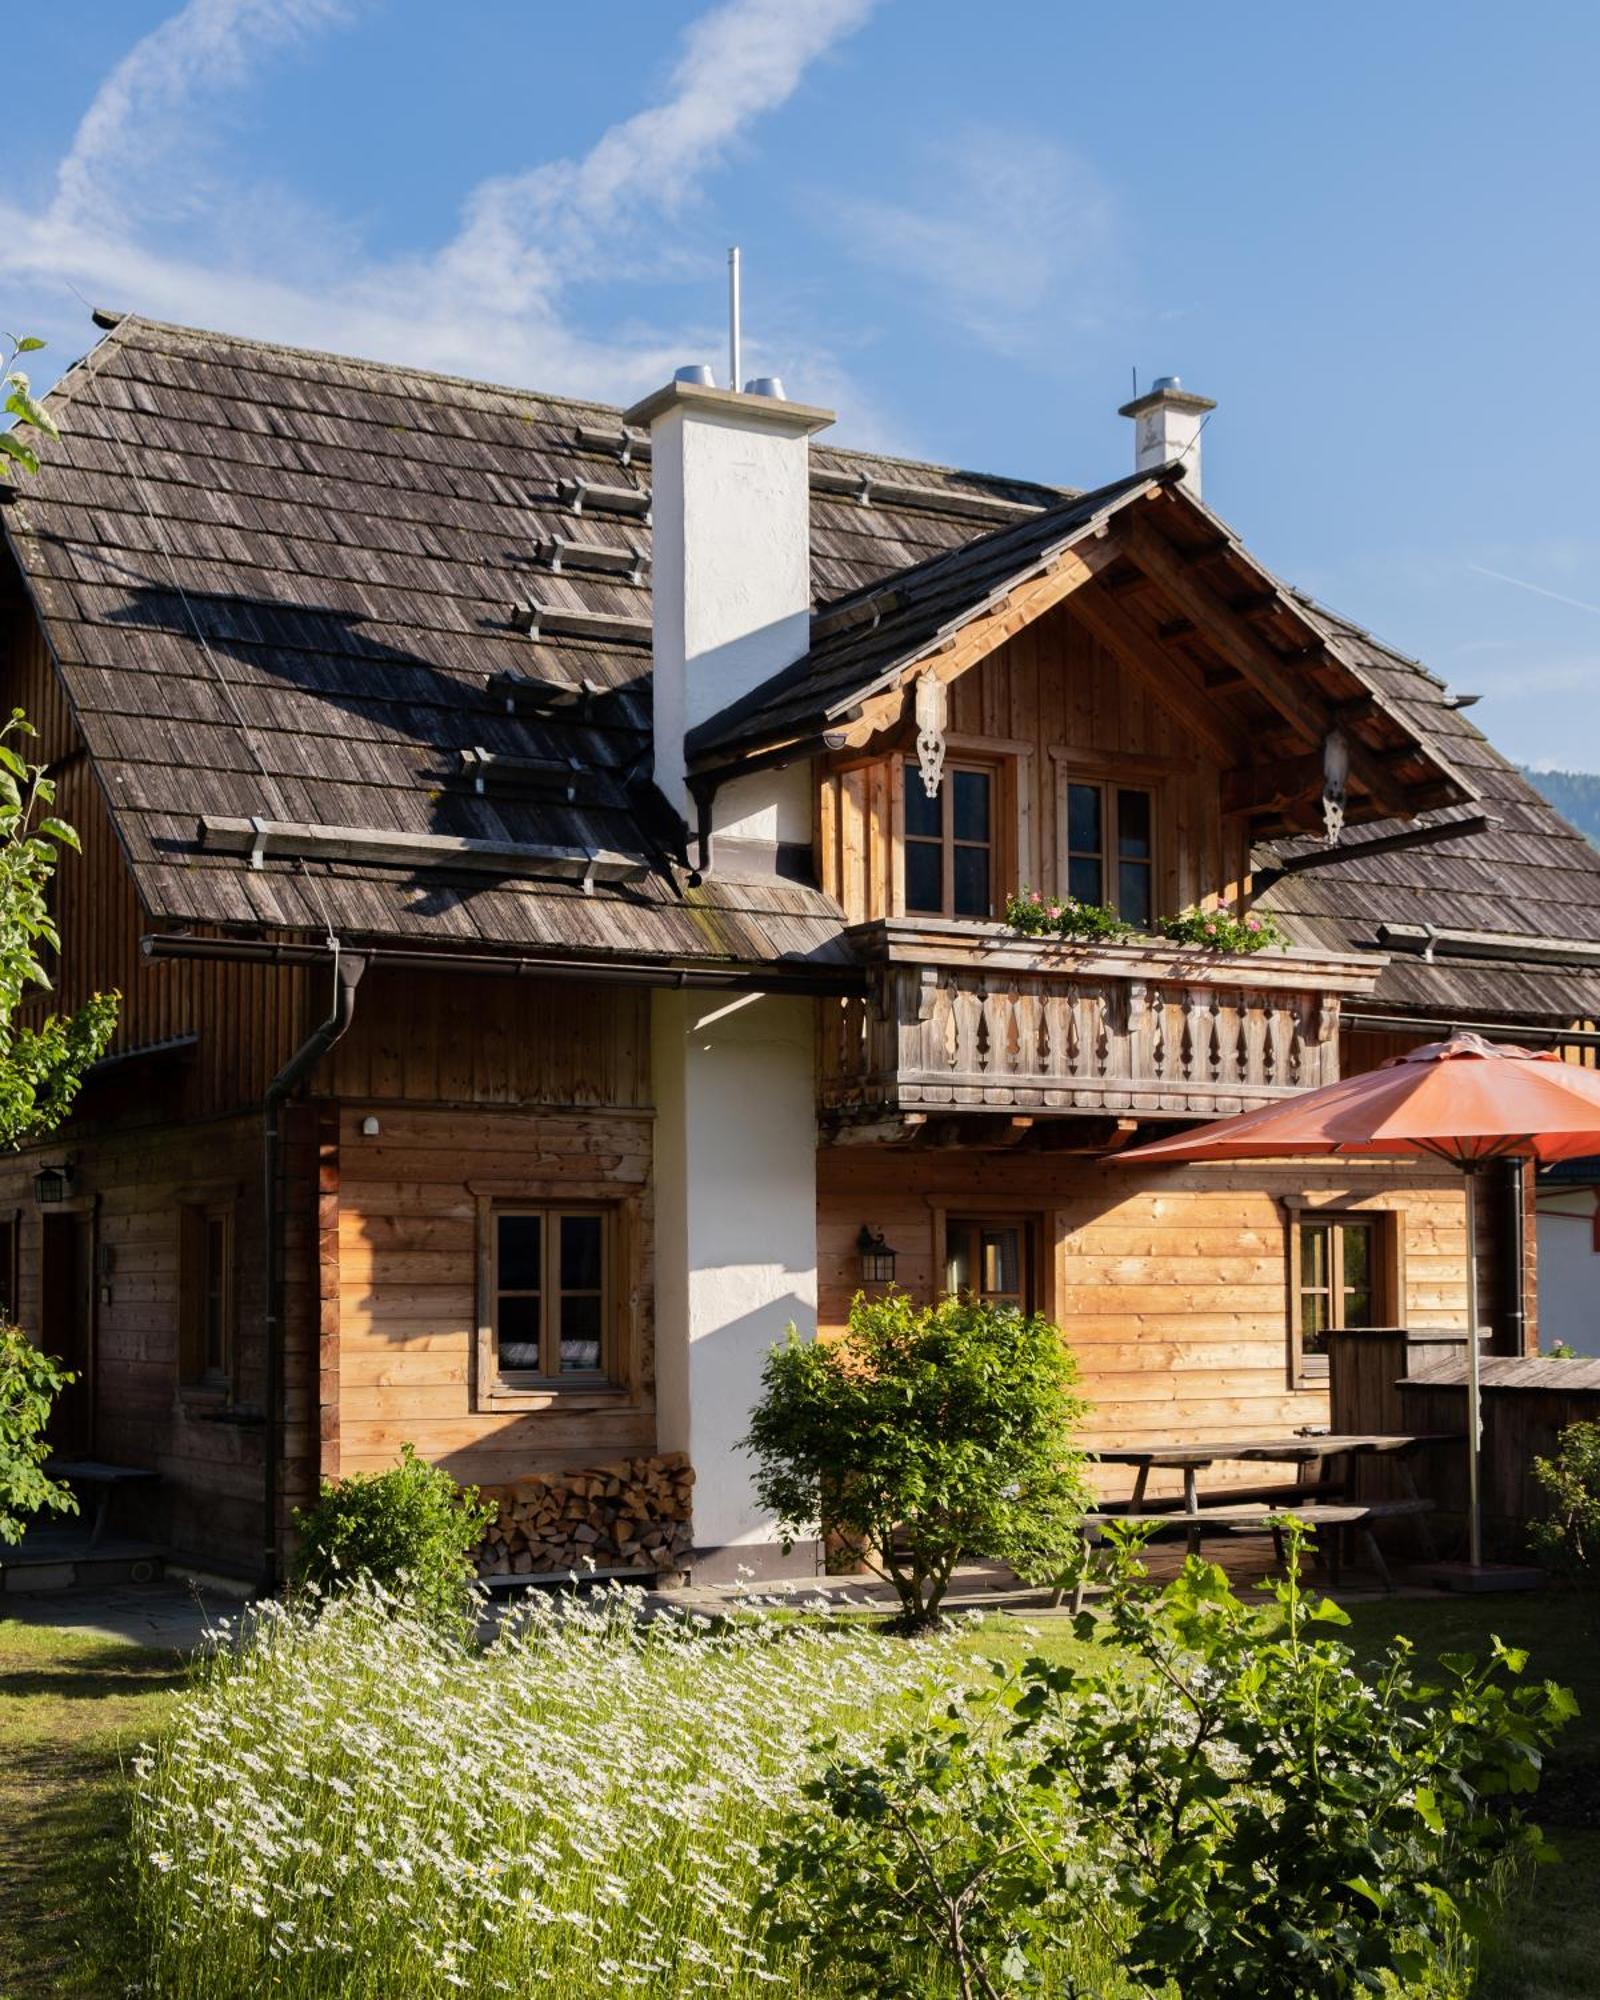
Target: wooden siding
{"x": 247, "y": 1018}
{"x": 442, "y": 1039}
{"x": 1172, "y": 1291}
{"x": 207, "y": 1448}
{"x": 407, "y": 1286}
{"x": 1048, "y": 702}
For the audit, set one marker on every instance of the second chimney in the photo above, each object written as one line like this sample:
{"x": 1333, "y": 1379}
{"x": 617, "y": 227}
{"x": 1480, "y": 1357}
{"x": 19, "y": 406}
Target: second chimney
{"x": 1167, "y": 426}
{"x": 731, "y": 562}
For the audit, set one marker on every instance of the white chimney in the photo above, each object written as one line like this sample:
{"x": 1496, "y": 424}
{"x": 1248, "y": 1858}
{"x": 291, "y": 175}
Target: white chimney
{"x": 731, "y": 563}
{"x": 1167, "y": 426}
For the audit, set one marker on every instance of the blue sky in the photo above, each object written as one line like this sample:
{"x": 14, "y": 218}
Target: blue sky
{"x": 1369, "y": 231}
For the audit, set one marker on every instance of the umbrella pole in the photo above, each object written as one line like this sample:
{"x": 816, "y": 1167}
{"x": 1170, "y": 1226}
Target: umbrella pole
{"x": 1474, "y": 1407}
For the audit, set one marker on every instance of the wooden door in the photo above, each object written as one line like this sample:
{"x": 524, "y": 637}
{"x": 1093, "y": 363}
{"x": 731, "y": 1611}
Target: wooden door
{"x": 66, "y": 1325}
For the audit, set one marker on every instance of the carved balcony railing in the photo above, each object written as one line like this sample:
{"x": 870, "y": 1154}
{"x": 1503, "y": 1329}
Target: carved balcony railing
{"x": 968, "y": 1017}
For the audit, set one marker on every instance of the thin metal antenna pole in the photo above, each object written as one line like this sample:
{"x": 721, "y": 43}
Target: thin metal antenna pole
{"x": 735, "y": 368}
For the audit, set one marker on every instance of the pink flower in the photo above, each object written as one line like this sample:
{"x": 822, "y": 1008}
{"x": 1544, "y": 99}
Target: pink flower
{"x": 1033, "y": 896}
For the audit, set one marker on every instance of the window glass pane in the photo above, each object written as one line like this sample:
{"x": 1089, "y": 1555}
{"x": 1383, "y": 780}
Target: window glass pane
{"x": 519, "y": 1241}
{"x": 1133, "y": 824}
{"x": 581, "y": 1237}
{"x": 1357, "y": 1257}
{"x": 958, "y": 1257}
{"x": 971, "y": 882}
{"x": 1314, "y": 1323}
{"x": 1002, "y": 1262}
{"x": 1085, "y": 883}
{"x": 1358, "y": 1309}
{"x": 924, "y": 816}
{"x": 580, "y": 1333}
{"x": 1314, "y": 1255}
{"x": 1133, "y": 893}
{"x": 969, "y": 796}
{"x": 924, "y": 877}
{"x": 517, "y": 1334}
{"x": 1083, "y": 819}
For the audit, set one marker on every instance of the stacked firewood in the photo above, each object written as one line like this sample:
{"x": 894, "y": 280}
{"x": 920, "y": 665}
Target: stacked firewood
{"x": 634, "y": 1514}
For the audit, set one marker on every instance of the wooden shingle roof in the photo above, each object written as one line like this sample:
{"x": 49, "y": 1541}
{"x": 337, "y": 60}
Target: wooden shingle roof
{"x": 289, "y": 586}
{"x": 1528, "y": 874}
{"x": 282, "y": 585}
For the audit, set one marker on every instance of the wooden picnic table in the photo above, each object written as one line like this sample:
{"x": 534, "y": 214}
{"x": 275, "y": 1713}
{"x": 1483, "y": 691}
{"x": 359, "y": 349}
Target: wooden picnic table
{"x": 1317, "y": 1451}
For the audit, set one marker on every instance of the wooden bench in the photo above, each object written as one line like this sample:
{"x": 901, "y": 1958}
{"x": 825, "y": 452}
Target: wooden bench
{"x": 1342, "y": 1518}
{"x": 1293, "y": 1494}
{"x": 106, "y": 1479}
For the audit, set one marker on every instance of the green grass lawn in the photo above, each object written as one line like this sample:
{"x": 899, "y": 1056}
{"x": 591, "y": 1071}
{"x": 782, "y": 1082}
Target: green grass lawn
{"x": 72, "y": 1707}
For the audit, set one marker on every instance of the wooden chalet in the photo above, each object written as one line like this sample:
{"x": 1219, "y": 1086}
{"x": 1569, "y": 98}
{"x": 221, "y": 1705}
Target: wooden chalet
{"x": 514, "y": 1040}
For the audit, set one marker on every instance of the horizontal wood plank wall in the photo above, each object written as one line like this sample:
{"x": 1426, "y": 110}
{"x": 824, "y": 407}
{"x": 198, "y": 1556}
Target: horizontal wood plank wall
{"x": 407, "y": 1301}
{"x": 208, "y": 1452}
{"x": 1055, "y": 700}
{"x": 442, "y": 1039}
{"x": 1172, "y": 1291}
{"x": 247, "y": 1018}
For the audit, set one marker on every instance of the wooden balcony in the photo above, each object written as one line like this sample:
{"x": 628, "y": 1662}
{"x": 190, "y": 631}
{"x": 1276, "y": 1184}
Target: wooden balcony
{"x": 961, "y": 1016}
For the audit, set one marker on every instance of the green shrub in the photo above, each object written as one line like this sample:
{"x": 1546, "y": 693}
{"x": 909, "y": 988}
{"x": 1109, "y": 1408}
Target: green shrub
{"x": 1234, "y": 1808}
{"x": 923, "y": 1435}
{"x": 1568, "y": 1538}
{"x": 29, "y": 1383}
{"x": 411, "y": 1530}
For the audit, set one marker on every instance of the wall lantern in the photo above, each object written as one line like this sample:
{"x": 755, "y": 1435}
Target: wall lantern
{"x": 51, "y": 1185}
{"x": 877, "y": 1259}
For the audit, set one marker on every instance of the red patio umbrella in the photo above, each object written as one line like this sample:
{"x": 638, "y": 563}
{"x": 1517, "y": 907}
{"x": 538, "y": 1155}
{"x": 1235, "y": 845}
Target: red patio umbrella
{"x": 1464, "y": 1101}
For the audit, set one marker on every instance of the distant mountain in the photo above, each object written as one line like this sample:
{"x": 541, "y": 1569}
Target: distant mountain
{"x": 1574, "y": 794}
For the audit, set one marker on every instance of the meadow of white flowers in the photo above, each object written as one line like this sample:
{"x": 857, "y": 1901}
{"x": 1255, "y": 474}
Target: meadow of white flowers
{"x": 355, "y": 1803}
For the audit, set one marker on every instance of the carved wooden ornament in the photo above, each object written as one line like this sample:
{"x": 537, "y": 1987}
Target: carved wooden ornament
{"x": 933, "y": 708}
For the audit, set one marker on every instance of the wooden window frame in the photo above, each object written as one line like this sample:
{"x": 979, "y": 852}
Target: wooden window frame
{"x": 1387, "y": 1227}
{"x": 978, "y": 1218}
{"x": 1108, "y": 783}
{"x": 196, "y": 1377}
{"x": 997, "y": 771}
{"x": 617, "y": 1379}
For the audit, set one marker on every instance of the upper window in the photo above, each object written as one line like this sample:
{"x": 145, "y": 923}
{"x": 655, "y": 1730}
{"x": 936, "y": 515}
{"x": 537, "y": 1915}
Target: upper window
{"x": 949, "y": 843}
{"x": 205, "y": 1295}
{"x": 551, "y": 1303}
{"x": 1111, "y": 848}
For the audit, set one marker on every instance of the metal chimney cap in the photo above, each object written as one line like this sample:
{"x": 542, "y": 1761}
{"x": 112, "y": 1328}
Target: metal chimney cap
{"x": 766, "y": 385}
{"x": 697, "y": 372}
{"x": 1165, "y": 382}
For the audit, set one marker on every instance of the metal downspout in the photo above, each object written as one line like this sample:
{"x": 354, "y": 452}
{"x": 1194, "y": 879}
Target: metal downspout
{"x": 347, "y": 970}
{"x": 1514, "y": 1247}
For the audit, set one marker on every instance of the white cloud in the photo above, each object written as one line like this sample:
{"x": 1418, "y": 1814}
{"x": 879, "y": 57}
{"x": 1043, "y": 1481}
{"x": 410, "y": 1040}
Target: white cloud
{"x": 1016, "y": 242}
{"x": 496, "y": 300}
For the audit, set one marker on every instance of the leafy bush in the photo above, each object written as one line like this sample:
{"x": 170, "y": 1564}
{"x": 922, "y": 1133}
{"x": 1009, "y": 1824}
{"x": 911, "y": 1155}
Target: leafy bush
{"x": 1044, "y": 916}
{"x": 361, "y": 1804}
{"x": 1569, "y": 1536}
{"x": 411, "y": 1529}
{"x": 1241, "y": 1812}
{"x": 29, "y": 1383}
{"x": 924, "y": 1434}
{"x": 1221, "y": 930}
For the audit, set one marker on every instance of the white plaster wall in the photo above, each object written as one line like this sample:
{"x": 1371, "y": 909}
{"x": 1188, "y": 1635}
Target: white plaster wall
{"x": 736, "y": 1219}
{"x": 1569, "y": 1270}
{"x": 731, "y": 577}
{"x": 768, "y": 805}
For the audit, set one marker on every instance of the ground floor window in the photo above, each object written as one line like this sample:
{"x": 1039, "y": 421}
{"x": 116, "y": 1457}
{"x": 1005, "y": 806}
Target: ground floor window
{"x": 1342, "y": 1274}
{"x": 205, "y": 1294}
{"x": 991, "y": 1259}
{"x": 551, "y": 1295}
